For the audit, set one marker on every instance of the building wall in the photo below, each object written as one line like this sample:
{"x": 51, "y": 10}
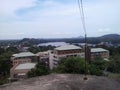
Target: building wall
{"x": 100, "y": 55}
{"x": 15, "y": 73}
{"x": 51, "y": 57}
{"x": 20, "y": 61}
{"x": 57, "y": 55}
{"x": 44, "y": 57}
{"x": 67, "y": 52}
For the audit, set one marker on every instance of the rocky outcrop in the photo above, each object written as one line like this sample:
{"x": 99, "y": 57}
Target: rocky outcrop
{"x": 64, "y": 82}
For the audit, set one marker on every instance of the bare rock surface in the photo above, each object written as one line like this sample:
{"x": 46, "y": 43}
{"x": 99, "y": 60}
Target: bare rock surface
{"x": 64, "y": 82}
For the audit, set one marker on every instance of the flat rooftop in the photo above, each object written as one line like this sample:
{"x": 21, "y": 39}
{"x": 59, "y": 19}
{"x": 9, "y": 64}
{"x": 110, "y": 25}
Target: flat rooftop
{"x": 23, "y": 54}
{"x": 98, "y": 50}
{"x": 68, "y": 47}
{"x": 25, "y": 66}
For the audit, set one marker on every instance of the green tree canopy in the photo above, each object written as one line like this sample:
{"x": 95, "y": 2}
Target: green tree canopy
{"x": 114, "y": 64}
{"x": 71, "y": 65}
{"x": 12, "y": 49}
{"x": 97, "y": 66}
{"x": 34, "y": 49}
{"x": 40, "y": 70}
{"x": 5, "y": 63}
{"x": 2, "y": 51}
{"x": 45, "y": 48}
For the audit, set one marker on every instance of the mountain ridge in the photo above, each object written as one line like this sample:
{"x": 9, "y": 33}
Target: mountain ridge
{"x": 110, "y": 36}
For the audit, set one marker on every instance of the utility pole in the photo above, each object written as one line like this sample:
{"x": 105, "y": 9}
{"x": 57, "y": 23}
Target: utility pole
{"x": 85, "y": 77}
{"x": 80, "y": 4}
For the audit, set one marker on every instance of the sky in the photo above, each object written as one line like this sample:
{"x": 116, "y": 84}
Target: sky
{"x": 57, "y": 18}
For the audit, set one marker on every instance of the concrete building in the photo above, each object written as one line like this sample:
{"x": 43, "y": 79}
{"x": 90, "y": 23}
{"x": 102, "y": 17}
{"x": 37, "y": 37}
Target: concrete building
{"x": 63, "y": 52}
{"x": 22, "y": 63}
{"x": 99, "y": 53}
{"x": 23, "y": 57}
{"x": 21, "y": 70}
{"x": 43, "y": 57}
{"x": 25, "y": 61}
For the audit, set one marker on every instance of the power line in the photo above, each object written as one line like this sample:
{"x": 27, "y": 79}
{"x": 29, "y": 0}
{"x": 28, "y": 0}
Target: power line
{"x": 80, "y": 5}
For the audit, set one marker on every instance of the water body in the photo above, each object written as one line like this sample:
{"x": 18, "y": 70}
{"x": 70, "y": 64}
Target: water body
{"x": 56, "y": 44}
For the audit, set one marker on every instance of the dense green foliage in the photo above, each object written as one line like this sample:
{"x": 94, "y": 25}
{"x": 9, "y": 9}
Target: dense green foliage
{"x": 113, "y": 50}
{"x": 114, "y": 64}
{"x": 34, "y": 49}
{"x": 40, "y": 48}
{"x": 71, "y": 65}
{"x": 97, "y": 67}
{"x": 3, "y": 81}
{"x": 5, "y": 63}
{"x": 45, "y": 48}
{"x": 76, "y": 65}
{"x": 40, "y": 70}
{"x": 2, "y": 51}
{"x": 12, "y": 49}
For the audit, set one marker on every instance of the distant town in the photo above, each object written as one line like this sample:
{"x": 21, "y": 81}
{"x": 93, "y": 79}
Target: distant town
{"x": 21, "y": 59}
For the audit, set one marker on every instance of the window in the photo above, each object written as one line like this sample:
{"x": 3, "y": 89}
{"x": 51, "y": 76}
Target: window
{"x": 75, "y": 55}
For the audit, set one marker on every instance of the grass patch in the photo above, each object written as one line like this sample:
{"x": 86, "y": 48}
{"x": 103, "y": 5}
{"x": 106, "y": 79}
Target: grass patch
{"x": 114, "y": 75}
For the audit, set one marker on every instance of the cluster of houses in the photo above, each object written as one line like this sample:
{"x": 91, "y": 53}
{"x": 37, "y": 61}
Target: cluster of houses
{"x": 23, "y": 62}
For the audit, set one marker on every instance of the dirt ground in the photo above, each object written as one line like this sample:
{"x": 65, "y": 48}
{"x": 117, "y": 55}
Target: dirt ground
{"x": 64, "y": 82}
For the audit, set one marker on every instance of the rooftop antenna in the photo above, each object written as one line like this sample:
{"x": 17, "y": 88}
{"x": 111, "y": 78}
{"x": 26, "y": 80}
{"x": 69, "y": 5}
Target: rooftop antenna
{"x": 80, "y": 5}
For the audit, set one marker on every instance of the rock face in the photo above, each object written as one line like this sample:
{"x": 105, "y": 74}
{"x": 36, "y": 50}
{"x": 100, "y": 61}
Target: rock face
{"x": 64, "y": 82}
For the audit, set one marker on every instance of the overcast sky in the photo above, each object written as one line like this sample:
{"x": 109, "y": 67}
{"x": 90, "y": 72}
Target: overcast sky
{"x": 57, "y": 18}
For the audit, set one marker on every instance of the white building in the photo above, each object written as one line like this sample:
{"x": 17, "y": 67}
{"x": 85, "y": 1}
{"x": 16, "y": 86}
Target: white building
{"x": 63, "y": 52}
{"x": 43, "y": 57}
{"x": 21, "y": 70}
{"x": 22, "y": 63}
{"x": 99, "y": 53}
{"x": 23, "y": 57}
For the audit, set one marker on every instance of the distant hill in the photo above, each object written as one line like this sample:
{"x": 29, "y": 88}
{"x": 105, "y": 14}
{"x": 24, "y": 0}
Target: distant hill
{"x": 111, "y": 36}
{"x": 80, "y": 37}
{"x": 114, "y": 38}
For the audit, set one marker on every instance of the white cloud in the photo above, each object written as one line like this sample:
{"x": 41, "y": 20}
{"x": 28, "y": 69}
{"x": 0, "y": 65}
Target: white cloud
{"x": 104, "y": 30}
{"x": 9, "y": 7}
{"x": 12, "y": 34}
{"x": 51, "y": 9}
{"x": 51, "y": 18}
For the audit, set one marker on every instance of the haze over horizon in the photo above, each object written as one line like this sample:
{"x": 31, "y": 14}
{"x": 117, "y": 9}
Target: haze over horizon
{"x": 57, "y": 18}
